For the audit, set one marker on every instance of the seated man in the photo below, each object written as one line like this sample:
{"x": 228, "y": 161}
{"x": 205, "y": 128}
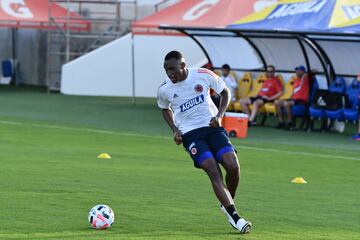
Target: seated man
{"x": 214, "y": 96}
{"x": 230, "y": 82}
{"x": 300, "y": 96}
{"x": 270, "y": 90}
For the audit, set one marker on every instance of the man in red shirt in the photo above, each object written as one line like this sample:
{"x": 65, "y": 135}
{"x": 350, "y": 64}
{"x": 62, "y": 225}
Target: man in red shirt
{"x": 270, "y": 90}
{"x": 300, "y": 96}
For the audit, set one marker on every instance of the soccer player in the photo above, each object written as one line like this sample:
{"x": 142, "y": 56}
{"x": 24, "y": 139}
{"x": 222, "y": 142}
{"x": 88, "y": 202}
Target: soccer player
{"x": 300, "y": 96}
{"x": 196, "y": 123}
{"x": 271, "y": 89}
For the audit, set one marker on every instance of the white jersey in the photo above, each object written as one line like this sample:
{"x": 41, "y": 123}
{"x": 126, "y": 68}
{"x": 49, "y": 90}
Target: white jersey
{"x": 190, "y": 99}
{"x": 232, "y": 85}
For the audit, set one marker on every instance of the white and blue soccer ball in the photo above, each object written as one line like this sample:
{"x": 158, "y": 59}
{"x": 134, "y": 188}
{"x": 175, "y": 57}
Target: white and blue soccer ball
{"x": 101, "y": 217}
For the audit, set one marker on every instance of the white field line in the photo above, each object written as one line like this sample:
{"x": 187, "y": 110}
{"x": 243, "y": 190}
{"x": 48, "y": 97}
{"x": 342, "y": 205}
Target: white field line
{"x": 299, "y": 153}
{"x": 169, "y": 138}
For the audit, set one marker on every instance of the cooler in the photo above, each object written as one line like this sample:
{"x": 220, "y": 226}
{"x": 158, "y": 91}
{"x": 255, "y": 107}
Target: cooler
{"x": 236, "y": 124}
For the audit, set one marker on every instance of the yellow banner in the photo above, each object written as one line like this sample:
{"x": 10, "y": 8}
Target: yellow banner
{"x": 346, "y": 13}
{"x": 263, "y": 14}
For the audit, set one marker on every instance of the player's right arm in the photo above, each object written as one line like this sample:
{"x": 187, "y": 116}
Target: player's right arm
{"x": 168, "y": 114}
{"x": 169, "y": 118}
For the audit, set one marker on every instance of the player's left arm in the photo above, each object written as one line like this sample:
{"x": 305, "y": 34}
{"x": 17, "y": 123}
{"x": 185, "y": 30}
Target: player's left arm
{"x": 224, "y": 103}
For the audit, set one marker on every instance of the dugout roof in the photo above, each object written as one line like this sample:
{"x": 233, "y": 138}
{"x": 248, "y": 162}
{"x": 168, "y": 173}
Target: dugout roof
{"x": 321, "y": 34}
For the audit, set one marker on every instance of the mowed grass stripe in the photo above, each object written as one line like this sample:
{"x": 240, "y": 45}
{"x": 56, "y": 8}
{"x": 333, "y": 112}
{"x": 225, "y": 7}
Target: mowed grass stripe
{"x": 268, "y": 149}
{"x": 51, "y": 177}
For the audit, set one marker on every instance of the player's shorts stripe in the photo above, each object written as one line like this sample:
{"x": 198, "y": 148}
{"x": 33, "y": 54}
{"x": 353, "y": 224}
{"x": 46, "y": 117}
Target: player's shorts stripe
{"x": 203, "y": 157}
{"x": 222, "y": 151}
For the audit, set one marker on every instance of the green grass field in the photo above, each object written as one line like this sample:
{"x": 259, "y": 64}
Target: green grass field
{"x": 50, "y": 176}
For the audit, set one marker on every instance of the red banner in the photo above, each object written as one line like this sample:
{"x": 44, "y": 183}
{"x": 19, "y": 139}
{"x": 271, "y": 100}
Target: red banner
{"x": 35, "y": 14}
{"x": 196, "y": 13}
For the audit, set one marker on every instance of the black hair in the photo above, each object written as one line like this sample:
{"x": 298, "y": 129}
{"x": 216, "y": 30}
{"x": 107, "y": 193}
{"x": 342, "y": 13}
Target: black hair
{"x": 174, "y": 55}
{"x": 271, "y": 66}
{"x": 226, "y": 66}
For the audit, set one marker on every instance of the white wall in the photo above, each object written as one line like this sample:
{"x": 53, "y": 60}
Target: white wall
{"x": 149, "y": 59}
{"x": 107, "y": 71}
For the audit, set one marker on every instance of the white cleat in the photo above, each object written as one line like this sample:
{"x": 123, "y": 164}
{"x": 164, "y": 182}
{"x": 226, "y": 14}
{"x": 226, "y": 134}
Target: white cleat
{"x": 242, "y": 225}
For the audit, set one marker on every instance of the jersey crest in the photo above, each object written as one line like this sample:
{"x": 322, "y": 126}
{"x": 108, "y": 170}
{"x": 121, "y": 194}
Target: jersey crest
{"x": 199, "y": 88}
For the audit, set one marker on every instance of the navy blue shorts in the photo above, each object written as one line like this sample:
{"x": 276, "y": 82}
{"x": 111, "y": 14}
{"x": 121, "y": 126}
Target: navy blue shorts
{"x": 207, "y": 142}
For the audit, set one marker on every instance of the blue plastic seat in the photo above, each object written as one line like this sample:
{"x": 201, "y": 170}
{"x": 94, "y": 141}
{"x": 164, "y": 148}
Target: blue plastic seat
{"x": 338, "y": 86}
{"x": 7, "y": 68}
{"x": 335, "y": 114}
{"x": 299, "y": 110}
{"x": 7, "y": 71}
{"x": 351, "y": 115}
{"x": 318, "y": 113}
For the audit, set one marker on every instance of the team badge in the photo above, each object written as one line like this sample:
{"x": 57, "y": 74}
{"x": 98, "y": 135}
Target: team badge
{"x": 193, "y": 151}
{"x": 198, "y": 88}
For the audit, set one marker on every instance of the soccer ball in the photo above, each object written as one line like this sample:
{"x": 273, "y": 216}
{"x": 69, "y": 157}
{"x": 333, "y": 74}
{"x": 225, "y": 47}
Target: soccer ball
{"x": 101, "y": 217}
